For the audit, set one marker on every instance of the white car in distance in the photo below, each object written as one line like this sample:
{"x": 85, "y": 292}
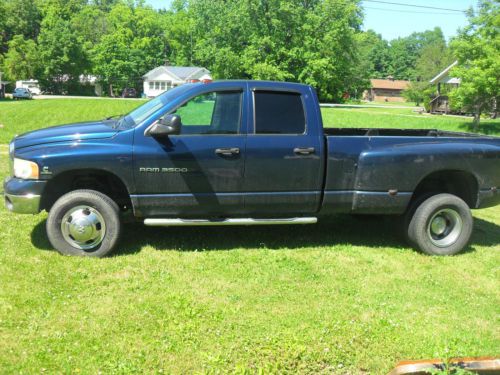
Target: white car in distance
{"x": 22, "y": 93}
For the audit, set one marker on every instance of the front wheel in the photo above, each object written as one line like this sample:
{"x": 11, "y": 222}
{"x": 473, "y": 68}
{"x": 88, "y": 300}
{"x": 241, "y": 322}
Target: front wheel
{"x": 440, "y": 225}
{"x": 84, "y": 223}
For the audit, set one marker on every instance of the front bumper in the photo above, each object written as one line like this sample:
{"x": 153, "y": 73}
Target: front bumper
{"x": 23, "y": 204}
{"x": 23, "y": 196}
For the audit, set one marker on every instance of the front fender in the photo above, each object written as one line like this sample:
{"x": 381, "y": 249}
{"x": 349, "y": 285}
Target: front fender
{"x": 111, "y": 155}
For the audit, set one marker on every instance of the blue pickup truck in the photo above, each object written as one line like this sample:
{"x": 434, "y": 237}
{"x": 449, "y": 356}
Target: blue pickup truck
{"x": 246, "y": 153}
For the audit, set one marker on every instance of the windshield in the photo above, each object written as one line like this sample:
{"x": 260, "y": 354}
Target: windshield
{"x": 140, "y": 114}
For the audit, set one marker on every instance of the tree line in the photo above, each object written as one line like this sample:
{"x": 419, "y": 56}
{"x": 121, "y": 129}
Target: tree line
{"x": 317, "y": 42}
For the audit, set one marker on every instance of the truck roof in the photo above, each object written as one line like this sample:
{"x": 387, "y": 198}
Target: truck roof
{"x": 270, "y": 84}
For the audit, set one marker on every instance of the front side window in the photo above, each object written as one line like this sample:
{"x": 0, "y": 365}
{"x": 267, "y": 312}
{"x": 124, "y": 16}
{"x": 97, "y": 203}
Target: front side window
{"x": 279, "y": 113}
{"x": 157, "y": 85}
{"x": 151, "y": 85}
{"x": 145, "y": 111}
{"x": 211, "y": 113}
{"x": 162, "y": 86}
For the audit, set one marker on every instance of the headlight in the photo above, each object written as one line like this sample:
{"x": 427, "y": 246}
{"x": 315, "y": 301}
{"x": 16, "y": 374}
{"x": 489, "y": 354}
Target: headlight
{"x": 25, "y": 169}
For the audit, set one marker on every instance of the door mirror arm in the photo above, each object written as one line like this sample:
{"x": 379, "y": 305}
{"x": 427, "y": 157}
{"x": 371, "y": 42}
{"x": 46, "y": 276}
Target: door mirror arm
{"x": 165, "y": 126}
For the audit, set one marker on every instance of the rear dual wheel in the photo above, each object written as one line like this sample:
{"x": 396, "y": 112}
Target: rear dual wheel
{"x": 440, "y": 225}
{"x": 84, "y": 223}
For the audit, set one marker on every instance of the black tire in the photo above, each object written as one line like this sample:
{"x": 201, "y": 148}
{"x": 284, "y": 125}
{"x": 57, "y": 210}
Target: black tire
{"x": 96, "y": 213}
{"x": 440, "y": 225}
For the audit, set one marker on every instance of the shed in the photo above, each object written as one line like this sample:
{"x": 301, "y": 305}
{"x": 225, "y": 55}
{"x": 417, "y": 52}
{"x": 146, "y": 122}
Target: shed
{"x": 444, "y": 84}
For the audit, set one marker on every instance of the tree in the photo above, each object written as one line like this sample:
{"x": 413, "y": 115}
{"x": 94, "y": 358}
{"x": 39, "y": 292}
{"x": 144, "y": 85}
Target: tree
{"x": 91, "y": 25}
{"x": 434, "y": 56}
{"x": 64, "y": 9}
{"x": 178, "y": 37}
{"x": 133, "y": 45}
{"x": 3, "y": 20}
{"x": 433, "y": 59}
{"x": 62, "y": 58}
{"x": 277, "y": 39}
{"x": 21, "y": 60}
{"x": 373, "y": 54}
{"x": 405, "y": 52}
{"x": 477, "y": 48}
{"x": 18, "y": 17}
{"x": 419, "y": 92}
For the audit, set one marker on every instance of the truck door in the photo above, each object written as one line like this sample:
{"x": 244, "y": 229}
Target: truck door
{"x": 199, "y": 172}
{"x": 284, "y": 165}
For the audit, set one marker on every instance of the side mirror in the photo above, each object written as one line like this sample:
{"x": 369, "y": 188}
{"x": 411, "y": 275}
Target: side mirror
{"x": 168, "y": 125}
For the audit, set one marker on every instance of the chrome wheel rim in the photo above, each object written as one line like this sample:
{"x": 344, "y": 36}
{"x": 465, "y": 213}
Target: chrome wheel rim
{"x": 445, "y": 227}
{"x": 83, "y": 227}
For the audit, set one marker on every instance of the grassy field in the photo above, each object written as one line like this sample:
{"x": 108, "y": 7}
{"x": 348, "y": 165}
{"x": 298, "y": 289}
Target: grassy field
{"x": 345, "y": 296}
{"x": 385, "y": 104}
{"x": 17, "y": 117}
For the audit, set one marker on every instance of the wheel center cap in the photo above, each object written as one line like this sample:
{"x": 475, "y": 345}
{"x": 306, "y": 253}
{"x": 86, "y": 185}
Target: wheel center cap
{"x": 438, "y": 225}
{"x": 81, "y": 229}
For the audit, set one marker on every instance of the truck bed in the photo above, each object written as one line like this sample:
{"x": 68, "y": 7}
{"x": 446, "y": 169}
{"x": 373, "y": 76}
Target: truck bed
{"x": 384, "y": 132}
{"x": 377, "y": 170}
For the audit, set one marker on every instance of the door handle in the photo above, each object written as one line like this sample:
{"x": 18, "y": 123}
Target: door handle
{"x": 227, "y": 151}
{"x": 304, "y": 150}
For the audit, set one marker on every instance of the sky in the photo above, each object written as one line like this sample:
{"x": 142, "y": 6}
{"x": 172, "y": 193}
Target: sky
{"x": 393, "y": 21}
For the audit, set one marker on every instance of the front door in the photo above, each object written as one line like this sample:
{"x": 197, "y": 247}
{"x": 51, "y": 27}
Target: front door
{"x": 198, "y": 173}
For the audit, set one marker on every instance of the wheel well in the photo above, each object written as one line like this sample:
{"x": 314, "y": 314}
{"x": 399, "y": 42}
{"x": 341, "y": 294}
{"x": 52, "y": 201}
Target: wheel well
{"x": 99, "y": 180}
{"x": 462, "y": 184}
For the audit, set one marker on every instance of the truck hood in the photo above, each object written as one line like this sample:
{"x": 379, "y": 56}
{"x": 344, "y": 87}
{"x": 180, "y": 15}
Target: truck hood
{"x": 63, "y": 133}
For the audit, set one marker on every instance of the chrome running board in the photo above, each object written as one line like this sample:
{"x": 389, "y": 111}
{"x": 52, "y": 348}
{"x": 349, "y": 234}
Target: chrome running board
{"x": 237, "y": 221}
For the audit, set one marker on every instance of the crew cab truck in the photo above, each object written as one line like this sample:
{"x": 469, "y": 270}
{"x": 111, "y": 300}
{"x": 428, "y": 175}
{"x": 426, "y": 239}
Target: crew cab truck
{"x": 246, "y": 153}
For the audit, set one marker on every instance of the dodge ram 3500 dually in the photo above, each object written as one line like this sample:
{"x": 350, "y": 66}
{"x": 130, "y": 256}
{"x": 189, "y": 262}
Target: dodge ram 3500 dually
{"x": 246, "y": 153}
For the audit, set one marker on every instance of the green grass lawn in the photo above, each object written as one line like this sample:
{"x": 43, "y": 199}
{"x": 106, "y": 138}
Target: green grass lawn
{"x": 17, "y": 117}
{"x": 344, "y": 296}
{"x": 386, "y": 104}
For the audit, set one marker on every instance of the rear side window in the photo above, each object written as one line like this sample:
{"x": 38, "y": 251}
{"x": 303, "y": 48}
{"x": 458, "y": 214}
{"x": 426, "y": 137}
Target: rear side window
{"x": 279, "y": 113}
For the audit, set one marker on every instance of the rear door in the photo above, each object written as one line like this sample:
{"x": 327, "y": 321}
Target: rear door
{"x": 283, "y": 168}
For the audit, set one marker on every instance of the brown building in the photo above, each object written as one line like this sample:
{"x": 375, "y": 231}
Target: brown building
{"x": 386, "y": 90}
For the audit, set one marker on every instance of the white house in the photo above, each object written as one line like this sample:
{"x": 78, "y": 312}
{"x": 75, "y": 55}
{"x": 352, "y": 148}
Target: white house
{"x": 164, "y": 78}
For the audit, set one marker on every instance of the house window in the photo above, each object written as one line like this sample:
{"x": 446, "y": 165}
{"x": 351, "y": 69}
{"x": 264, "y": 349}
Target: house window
{"x": 151, "y": 85}
{"x": 162, "y": 86}
{"x": 169, "y": 85}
